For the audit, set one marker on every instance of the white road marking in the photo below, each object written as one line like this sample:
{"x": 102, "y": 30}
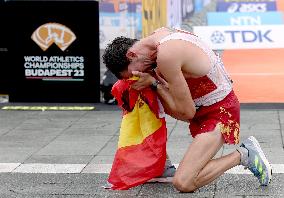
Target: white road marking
{"x": 94, "y": 168}
{"x": 50, "y": 168}
{"x": 8, "y": 167}
{"x": 97, "y": 168}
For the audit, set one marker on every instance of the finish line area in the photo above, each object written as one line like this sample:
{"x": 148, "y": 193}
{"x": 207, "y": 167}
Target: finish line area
{"x": 95, "y": 168}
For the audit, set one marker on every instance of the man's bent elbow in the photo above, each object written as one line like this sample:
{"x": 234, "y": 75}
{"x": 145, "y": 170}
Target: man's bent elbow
{"x": 190, "y": 115}
{"x": 187, "y": 115}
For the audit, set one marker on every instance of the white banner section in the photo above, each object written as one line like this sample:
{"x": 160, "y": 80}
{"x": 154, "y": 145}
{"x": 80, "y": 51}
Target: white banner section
{"x": 242, "y": 37}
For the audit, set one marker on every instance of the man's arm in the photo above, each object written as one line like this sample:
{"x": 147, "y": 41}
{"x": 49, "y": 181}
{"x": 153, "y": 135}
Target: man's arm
{"x": 167, "y": 100}
{"x": 175, "y": 96}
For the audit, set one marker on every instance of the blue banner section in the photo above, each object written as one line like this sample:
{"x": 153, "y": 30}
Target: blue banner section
{"x": 242, "y": 18}
{"x": 198, "y": 5}
{"x": 121, "y": 20}
{"x": 223, "y": 6}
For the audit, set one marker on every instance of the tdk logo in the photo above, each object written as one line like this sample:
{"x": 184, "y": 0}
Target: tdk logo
{"x": 217, "y": 37}
{"x": 249, "y": 36}
{"x": 244, "y": 36}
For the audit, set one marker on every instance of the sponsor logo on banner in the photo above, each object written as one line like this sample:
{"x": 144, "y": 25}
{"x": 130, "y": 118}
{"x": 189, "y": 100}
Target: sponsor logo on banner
{"x": 247, "y": 6}
{"x": 49, "y": 33}
{"x": 242, "y": 37}
{"x": 54, "y": 67}
{"x": 245, "y": 18}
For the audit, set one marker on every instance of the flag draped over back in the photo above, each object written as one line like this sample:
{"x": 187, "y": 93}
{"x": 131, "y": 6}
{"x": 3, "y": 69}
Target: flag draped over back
{"x": 141, "y": 152}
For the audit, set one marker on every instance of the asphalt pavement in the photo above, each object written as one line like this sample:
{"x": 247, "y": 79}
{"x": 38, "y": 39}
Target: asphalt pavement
{"x": 68, "y": 153}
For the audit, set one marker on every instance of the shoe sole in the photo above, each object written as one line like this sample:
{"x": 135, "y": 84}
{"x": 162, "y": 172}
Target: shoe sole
{"x": 161, "y": 180}
{"x": 262, "y": 156}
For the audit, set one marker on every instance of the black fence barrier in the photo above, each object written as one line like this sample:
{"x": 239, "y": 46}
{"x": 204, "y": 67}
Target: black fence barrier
{"x": 53, "y": 51}
{"x": 4, "y": 78}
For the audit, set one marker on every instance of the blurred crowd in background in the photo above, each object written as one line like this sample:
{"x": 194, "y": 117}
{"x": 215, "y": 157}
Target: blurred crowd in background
{"x": 246, "y": 33}
{"x": 138, "y": 18}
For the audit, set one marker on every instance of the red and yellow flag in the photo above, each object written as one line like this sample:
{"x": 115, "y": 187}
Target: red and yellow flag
{"x": 141, "y": 152}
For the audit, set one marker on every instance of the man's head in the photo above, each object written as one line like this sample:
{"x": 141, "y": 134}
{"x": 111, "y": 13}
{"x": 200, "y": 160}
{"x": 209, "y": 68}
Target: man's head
{"x": 115, "y": 57}
{"x": 125, "y": 55}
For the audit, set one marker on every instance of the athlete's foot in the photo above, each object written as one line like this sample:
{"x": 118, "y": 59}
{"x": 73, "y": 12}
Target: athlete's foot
{"x": 253, "y": 158}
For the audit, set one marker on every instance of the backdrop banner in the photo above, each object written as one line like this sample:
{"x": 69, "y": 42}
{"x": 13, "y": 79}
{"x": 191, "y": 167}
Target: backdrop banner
{"x": 53, "y": 51}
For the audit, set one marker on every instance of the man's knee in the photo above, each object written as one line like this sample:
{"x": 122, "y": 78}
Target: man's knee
{"x": 185, "y": 184}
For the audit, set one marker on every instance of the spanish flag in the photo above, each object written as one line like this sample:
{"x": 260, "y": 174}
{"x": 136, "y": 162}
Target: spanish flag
{"x": 141, "y": 152}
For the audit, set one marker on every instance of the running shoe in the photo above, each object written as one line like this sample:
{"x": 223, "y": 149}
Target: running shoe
{"x": 253, "y": 158}
{"x": 167, "y": 175}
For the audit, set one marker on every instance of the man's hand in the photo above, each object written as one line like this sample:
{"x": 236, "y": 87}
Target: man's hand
{"x": 145, "y": 80}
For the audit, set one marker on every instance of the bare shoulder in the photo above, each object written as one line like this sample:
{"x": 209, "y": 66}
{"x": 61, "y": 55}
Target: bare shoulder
{"x": 184, "y": 55}
{"x": 170, "y": 52}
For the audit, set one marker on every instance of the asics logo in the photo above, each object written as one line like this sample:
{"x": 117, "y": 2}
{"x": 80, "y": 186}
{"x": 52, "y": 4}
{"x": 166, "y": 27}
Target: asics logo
{"x": 49, "y": 33}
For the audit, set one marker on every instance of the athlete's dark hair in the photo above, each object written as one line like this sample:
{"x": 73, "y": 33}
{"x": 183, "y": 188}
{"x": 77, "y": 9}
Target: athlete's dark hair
{"x": 114, "y": 56}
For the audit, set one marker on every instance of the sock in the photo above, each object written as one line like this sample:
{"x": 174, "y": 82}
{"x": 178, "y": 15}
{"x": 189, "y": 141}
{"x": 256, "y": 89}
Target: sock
{"x": 168, "y": 163}
{"x": 244, "y": 155}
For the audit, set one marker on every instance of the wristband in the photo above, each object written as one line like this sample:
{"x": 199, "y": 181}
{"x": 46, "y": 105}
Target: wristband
{"x": 154, "y": 85}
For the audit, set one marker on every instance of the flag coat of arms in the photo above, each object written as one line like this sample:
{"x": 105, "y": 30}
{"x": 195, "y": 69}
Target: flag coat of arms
{"x": 141, "y": 152}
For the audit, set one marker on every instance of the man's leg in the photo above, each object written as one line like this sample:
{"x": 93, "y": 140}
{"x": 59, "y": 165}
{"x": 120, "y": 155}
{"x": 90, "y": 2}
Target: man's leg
{"x": 197, "y": 167}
